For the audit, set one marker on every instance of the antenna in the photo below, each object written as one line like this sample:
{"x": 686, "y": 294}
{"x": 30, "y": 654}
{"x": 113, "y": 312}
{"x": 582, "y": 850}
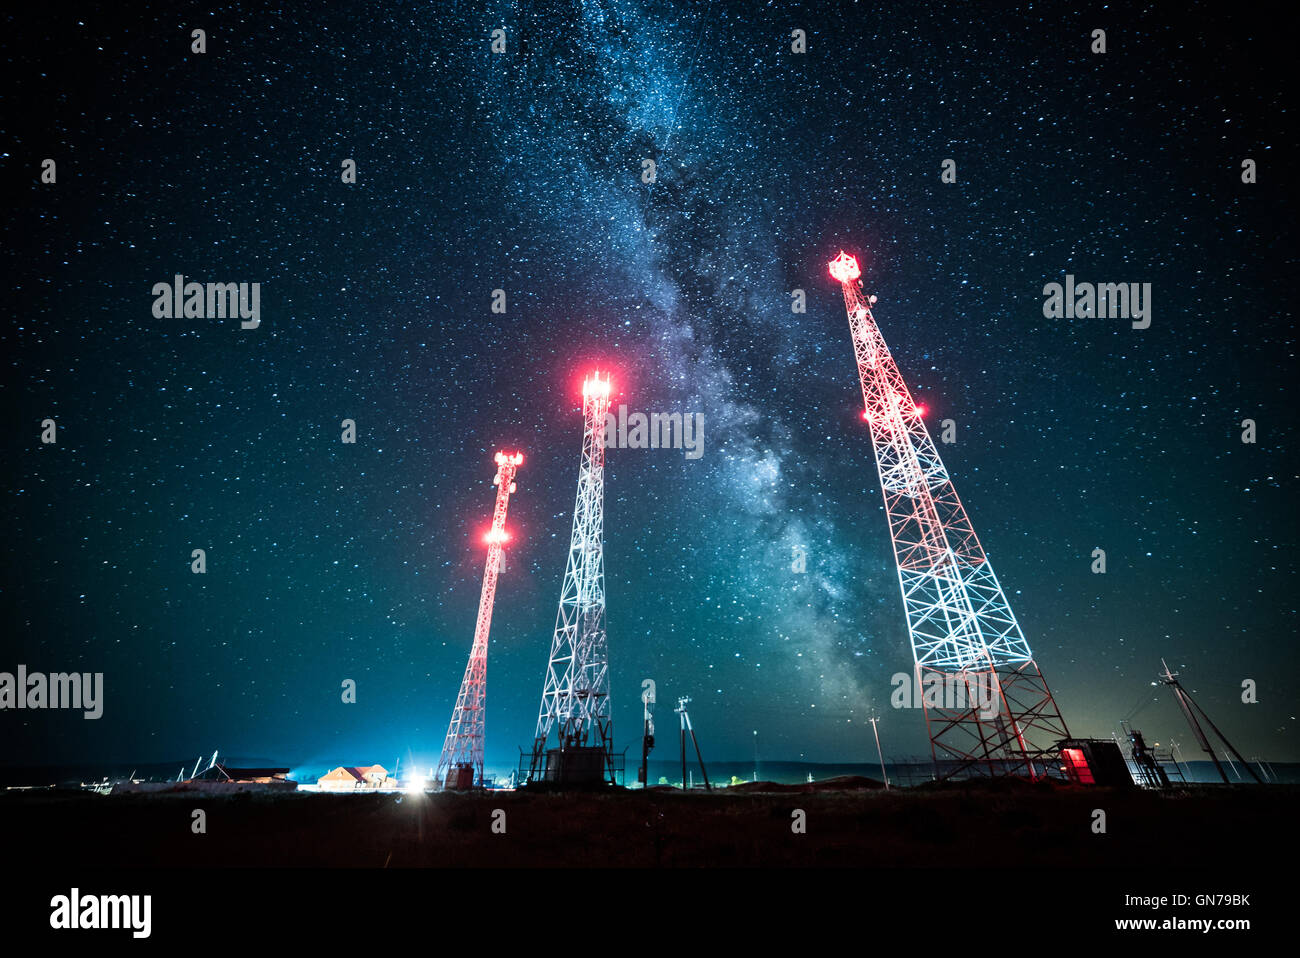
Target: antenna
{"x": 884, "y": 777}
{"x": 1186, "y": 703}
{"x": 686, "y": 727}
{"x": 647, "y": 733}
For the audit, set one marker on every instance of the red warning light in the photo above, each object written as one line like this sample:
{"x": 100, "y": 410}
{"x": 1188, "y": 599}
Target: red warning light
{"x": 508, "y": 459}
{"x": 845, "y": 268}
{"x": 495, "y": 536}
{"x": 595, "y": 387}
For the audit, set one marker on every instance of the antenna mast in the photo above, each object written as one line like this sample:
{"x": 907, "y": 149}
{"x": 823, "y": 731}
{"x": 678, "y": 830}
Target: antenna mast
{"x": 965, "y": 638}
{"x": 461, "y": 763}
{"x": 1186, "y": 703}
{"x": 575, "y": 695}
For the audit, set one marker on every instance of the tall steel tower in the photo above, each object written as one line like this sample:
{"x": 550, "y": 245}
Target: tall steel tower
{"x": 461, "y": 764}
{"x": 575, "y": 697}
{"x": 994, "y": 714}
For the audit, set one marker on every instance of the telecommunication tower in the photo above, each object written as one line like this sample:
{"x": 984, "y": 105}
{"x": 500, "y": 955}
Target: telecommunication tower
{"x": 461, "y": 763}
{"x": 996, "y": 714}
{"x": 575, "y": 695}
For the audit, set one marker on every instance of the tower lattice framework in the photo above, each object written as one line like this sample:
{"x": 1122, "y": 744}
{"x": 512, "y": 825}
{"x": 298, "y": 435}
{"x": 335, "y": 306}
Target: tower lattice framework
{"x": 461, "y": 762}
{"x": 575, "y": 697}
{"x": 988, "y": 708}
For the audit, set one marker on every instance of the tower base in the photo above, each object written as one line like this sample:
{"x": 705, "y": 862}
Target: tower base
{"x": 459, "y": 778}
{"x": 996, "y": 722}
{"x": 573, "y": 767}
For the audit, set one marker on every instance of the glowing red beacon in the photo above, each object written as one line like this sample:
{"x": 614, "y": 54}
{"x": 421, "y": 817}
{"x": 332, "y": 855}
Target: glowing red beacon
{"x": 845, "y": 268}
{"x": 595, "y": 387}
{"x": 504, "y": 457}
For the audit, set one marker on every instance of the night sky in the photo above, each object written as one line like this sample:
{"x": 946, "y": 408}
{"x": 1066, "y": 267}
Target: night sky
{"x": 522, "y": 171}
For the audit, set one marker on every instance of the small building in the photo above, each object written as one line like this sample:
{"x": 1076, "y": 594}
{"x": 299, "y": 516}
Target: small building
{"x": 1091, "y": 761}
{"x": 348, "y": 778}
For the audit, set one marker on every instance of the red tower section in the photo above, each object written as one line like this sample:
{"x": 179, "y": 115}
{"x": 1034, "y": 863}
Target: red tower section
{"x": 461, "y": 764}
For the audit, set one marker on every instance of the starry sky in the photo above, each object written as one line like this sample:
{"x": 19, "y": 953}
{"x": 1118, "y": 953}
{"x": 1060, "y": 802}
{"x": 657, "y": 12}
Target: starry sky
{"x": 522, "y": 171}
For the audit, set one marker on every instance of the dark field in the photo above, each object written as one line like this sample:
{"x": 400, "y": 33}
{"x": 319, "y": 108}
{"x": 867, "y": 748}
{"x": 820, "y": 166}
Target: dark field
{"x": 969, "y": 826}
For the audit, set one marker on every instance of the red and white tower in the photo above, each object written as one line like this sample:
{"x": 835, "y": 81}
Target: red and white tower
{"x": 461, "y": 764}
{"x": 575, "y": 696}
{"x": 994, "y": 714}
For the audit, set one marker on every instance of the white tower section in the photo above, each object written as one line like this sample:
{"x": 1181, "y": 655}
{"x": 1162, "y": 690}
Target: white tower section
{"x": 1000, "y": 717}
{"x": 575, "y": 697}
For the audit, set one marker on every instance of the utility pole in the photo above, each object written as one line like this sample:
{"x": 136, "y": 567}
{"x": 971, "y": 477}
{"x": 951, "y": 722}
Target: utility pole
{"x": 883, "y": 776}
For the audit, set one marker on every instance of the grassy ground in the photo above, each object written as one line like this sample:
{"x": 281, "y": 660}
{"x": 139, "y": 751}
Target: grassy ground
{"x": 969, "y": 826}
